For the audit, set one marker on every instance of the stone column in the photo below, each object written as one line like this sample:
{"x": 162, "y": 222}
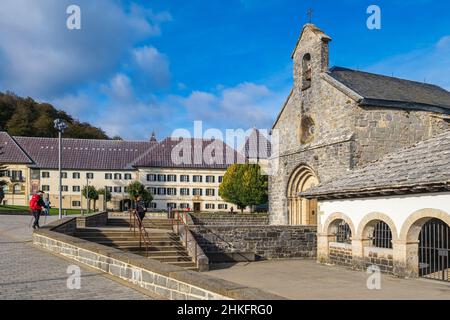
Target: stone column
{"x": 406, "y": 259}
{"x": 323, "y": 243}
{"x": 358, "y": 246}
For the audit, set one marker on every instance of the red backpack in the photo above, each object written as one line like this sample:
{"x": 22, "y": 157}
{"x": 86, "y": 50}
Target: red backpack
{"x": 34, "y": 203}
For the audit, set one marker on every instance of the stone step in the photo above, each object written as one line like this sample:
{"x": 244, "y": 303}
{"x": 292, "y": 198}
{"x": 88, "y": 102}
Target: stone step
{"x": 177, "y": 253}
{"x": 152, "y": 248}
{"x": 168, "y": 259}
{"x": 126, "y": 224}
{"x": 95, "y": 237}
{"x": 163, "y": 243}
{"x": 185, "y": 264}
{"x": 165, "y": 246}
{"x": 165, "y": 222}
{"x": 123, "y": 232}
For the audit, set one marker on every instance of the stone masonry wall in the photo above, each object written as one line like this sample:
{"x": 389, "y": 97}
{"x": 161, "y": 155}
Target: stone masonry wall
{"x": 94, "y": 220}
{"x": 327, "y": 161}
{"x": 340, "y": 254}
{"x": 267, "y": 242}
{"x": 379, "y": 131}
{"x": 383, "y": 258}
{"x": 230, "y": 219}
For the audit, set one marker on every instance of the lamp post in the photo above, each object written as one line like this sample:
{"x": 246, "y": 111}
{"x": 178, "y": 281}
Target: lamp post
{"x": 88, "y": 198}
{"x": 61, "y": 126}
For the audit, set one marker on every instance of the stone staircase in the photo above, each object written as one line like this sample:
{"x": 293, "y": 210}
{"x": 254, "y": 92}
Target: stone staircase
{"x": 163, "y": 224}
{"x": 165, "y": 247}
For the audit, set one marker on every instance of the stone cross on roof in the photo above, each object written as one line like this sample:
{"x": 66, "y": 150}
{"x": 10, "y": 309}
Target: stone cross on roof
{"x": 310, "y": 14}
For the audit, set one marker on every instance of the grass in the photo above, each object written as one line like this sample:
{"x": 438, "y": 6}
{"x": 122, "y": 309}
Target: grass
{"x": 21, "y": 209}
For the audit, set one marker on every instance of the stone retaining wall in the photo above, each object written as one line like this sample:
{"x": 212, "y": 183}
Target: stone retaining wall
{"x": 229, "y": 219}
{"x": 167, "y": 281}
{"x": 193, "y": 248}
{"x": 95, "y": 220}
{"x": 267, "y": 242}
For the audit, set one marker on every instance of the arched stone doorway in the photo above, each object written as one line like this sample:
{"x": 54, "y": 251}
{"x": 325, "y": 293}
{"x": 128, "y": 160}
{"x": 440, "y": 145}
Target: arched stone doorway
{"x": 301, "y": 211}
{"x": 434, "y": 250}
{"x": 424, "y": 241}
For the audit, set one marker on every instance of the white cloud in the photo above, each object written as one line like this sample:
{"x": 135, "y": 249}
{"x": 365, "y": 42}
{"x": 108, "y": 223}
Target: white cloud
{"x": 127, "y": 114}
{"x": 78, "y": 105}
{"x": 40, "y": 57}
{"x": 444, "y": 43}
{"x": 153, "y": 67}
{"x": 429, "y": 64}
{"x": 119, "y": 88}
{"x": 242, "y": 106}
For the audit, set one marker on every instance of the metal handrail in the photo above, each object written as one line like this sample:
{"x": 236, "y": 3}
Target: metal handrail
{"x": 143, "y": 234}
{"x": 179, "y": 219}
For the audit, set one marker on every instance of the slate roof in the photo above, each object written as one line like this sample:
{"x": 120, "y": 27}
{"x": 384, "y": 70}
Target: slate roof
{"x": 379, "y": 90}
{"x": 208, "y": 154}
{"x": 257, "y": 146}
{"x": 81, "y": 154}
{"x": 10, "y": 151}
{"x": 425, "y": 167}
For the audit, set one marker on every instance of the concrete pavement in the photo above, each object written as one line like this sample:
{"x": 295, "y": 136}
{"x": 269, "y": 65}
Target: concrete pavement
{"x": 28, "y": 273}
{"x": 305, "y": 280}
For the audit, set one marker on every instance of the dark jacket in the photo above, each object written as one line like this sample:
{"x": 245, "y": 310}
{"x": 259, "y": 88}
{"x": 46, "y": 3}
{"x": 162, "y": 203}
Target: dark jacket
{"x": 141, "y": 207}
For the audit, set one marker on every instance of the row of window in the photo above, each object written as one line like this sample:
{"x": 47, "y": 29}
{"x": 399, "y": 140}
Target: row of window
{"x": 182, "y": 191}
{"x": 381, "y": 236}
{"x": 46, "y": 188}
{"x": 208, "y": 206}
{"x": 183, "y": 178}
{"x": 154, "y": 205}
{"x": 17, "y": 188}
{"x": 150, "y": 177}
{"x": 90, "y": 175}
{"x": 14, "y": 175}
{"x": 153, "y": 191}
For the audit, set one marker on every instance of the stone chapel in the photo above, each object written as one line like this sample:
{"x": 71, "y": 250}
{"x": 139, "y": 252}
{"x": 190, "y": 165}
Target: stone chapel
{"x": 336, "y": 120}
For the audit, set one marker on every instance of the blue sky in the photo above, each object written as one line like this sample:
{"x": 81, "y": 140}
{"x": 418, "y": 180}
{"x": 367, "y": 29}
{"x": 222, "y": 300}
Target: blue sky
{"x": 140, "y": 66}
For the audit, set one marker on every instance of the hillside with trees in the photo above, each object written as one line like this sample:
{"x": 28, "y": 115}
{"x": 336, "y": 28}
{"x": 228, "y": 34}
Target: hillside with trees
{"x": 26, "y": 117}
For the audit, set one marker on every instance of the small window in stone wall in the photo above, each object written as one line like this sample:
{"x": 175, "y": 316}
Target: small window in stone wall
{"x": 306, "y": 72}
{"x": 382, "y": 236}
{"x": 343, "y": 232}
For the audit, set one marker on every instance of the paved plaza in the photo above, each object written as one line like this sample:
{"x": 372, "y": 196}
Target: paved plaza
{"x": 305, "y": 279}
{"x": 28, "y": 273}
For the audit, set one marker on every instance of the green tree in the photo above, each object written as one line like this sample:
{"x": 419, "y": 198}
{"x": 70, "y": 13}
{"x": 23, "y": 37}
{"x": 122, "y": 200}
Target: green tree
{"x": 244, "y": 185}
{"x": 136, "y": 189}
{"x": 21, "y": 122}
{"x": 90, "y": 193}
{"x": 104, "y": 191}
{"x": 26, "y": 117}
